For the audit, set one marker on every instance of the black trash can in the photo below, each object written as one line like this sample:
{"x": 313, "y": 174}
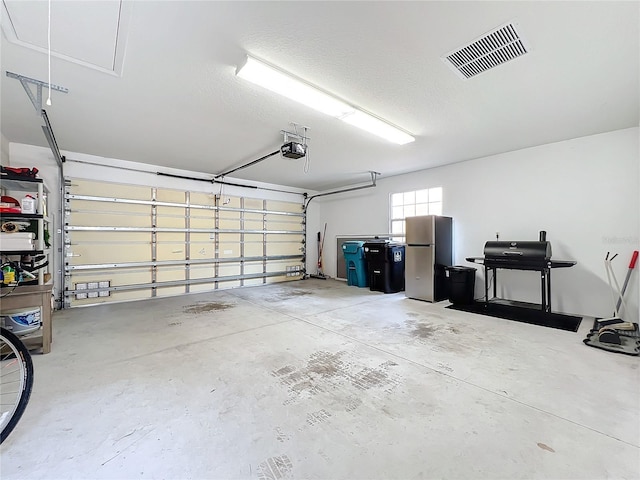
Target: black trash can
{"x": 461, "y": 283}
{"x": 385, "y": 264}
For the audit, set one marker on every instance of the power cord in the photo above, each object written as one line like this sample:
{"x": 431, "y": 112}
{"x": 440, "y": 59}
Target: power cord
{"x": 488, "y": 287}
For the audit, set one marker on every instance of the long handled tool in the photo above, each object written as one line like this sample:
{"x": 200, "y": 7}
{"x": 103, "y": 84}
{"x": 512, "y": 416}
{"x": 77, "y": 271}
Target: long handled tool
{"x": 612, "y": 276}
{"x": 608, "y": 333}
{"x": 320, "y": 273}
{"x": 632, "y": 265}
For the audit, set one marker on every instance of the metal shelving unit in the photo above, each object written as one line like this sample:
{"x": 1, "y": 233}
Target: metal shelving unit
{"x": 29, "y": 185}
{"x": 29, "y": 295}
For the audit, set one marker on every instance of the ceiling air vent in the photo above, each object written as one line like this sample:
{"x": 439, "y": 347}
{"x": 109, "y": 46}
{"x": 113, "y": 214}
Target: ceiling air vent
{"x": 490, "y": 50}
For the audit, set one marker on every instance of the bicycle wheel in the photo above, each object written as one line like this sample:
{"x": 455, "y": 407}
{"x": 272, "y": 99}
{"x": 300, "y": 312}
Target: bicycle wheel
{"x": 16, "y": 381}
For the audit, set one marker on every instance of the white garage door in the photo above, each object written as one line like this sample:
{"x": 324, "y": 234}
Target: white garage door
{"x": 129, "y": 242}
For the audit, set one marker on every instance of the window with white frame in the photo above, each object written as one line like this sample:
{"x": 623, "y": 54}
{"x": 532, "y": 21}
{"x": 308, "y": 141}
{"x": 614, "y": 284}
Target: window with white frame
{"x": 411, "y": 204}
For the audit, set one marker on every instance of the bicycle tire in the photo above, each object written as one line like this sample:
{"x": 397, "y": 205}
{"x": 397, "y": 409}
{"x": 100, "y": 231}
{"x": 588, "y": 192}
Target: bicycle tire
{"x": 12, "y": 347}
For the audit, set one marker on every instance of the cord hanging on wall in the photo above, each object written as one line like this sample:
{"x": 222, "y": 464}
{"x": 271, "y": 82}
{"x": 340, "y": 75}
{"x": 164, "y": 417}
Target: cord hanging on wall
{"x": 49, "y": 51}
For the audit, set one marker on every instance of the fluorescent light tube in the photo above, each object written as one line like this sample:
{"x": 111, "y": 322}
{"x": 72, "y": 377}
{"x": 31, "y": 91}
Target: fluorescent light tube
{"x": 376, "y": 126}
{"x": 284, "y": 84}
{"x": 279, "y": 82}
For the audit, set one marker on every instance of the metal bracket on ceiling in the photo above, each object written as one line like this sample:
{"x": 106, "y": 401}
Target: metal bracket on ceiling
{"x": 36, "y": 99}
{"x": 295, "y": 135}
{"x": 374, "y": 177}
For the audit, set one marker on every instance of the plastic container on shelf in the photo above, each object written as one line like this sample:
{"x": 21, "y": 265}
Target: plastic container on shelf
{"x": 28, "y": 204}
{"x": 23, "y": 321}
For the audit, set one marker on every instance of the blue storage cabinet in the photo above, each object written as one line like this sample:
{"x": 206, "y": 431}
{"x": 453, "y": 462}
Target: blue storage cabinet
{"x": 356, "y": 263}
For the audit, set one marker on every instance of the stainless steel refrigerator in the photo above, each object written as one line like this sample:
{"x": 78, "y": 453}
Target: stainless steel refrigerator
{"x": 429, "y": 250}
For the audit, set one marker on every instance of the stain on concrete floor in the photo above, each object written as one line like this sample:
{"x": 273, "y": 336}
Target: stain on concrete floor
{"x": 426, "y": 330}
{"x": 546, "y": 447}
{"x": 318, "y": 417}
{"x": 335, "y": 372}
{"x": 287, "y": 294}
{"x": 423, "y": 330}
{"x": 275, "y": 468}
{"x": 205, "y": 307}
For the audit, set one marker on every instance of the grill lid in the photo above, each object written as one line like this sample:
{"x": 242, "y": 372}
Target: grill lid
{"x": 517, "y": 252}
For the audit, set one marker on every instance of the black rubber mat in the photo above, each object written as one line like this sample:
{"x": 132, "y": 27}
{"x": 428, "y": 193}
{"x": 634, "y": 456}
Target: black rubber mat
{"x": 524, "y": 315}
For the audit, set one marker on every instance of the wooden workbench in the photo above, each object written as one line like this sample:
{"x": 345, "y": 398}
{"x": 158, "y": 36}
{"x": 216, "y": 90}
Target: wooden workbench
{"x": 33, "y": 296}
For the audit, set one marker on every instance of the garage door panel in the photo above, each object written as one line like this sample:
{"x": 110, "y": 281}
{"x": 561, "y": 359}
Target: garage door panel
{"x": 284, "y": 206}
{"x": 283, "y": 249}
{"x": 170, "y": 237}
{"x": 227, "y": 270}
{"x": 285, "y": 226}
{"x": 253, "y": 203}
{"x": 92, "y": 219}
{"x": 169, "y": 251}
{"x": 277, "y": 265}
{"x": 229, "y": 238}
{"x": 117, "y": 277}
{"x": 229, "y": 251}
{"x": 253, "y": 249}
{"x": 202, "y": 251}
{"x": 171, "y": 218}
{"x": 282, "y": 238}
{"x": 253, "y": 224}
{"x": 101, "y": 207}
{"x": 202, "y": 222}
{"x": 170, "y": 291}
{"x": 204, "y": 287}
{"x": 109, "y": 236}
{"x": 170, "y": 273}
{"x": 229, "y": 224}
{"x": 97, "y": 254}
{"x": 229, "y": 202}
{"x": 200, "y": 198}
{"x": 251, "y": 267}
{"x": 196, "y": 272}
{"x": 197, "y": 237}
{"x": 114, "y": 205}
{"x": 172, "y": 196}
{"x": 109, "y": 190}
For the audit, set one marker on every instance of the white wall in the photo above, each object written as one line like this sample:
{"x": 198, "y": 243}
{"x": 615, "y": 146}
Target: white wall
{"x": 99, "y": 168}
{"x": 4, "y": 150}
{"x": 584, "y": 192}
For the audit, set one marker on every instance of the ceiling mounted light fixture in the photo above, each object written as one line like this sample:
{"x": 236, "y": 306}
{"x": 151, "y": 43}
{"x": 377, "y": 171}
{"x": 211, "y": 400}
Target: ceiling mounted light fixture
{"x": 284, "y": 84}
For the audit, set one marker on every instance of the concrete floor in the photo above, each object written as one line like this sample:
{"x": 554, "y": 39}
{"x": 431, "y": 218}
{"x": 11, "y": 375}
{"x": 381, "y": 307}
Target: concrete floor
{"x": 314, "y": 379}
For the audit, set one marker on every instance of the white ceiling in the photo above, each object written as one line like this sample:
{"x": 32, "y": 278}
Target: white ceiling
{"x": 178, "y": 102}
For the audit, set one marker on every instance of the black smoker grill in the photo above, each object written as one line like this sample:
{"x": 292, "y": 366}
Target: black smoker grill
{"x": 525, "y": 255}
{"x": 517, "y": 255}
